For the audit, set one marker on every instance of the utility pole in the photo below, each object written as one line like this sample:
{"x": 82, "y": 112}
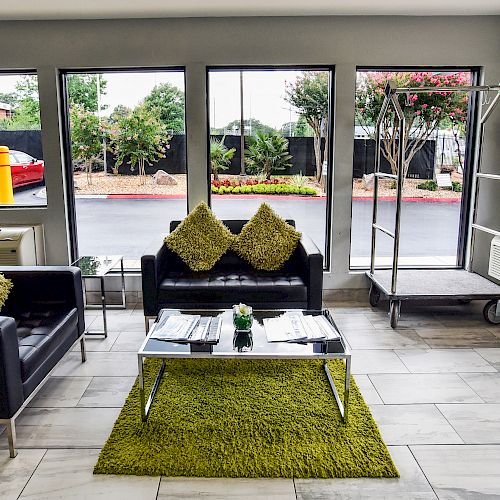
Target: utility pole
{"x": 242, "y": 130}
{"x": 99, "y": 116}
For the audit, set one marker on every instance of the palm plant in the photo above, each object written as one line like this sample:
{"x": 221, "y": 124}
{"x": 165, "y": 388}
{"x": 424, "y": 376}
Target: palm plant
{"x": 267, "y": 153}
{"x": 220, "y": 156}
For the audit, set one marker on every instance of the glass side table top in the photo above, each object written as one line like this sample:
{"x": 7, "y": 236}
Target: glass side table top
{"x": 97, "y": 265}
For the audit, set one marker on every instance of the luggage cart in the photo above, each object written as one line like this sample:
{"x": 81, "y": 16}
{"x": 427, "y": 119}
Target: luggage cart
{"x": 398, "y": 285}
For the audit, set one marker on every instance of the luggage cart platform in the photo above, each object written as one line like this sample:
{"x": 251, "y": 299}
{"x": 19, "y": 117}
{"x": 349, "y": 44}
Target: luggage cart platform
{"x": 429, "y": 284}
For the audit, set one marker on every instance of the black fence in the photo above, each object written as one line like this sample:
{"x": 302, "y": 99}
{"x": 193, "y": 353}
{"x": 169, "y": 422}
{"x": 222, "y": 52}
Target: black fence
{"x": 421, "y": 165}
{"x": 301, "y": 149}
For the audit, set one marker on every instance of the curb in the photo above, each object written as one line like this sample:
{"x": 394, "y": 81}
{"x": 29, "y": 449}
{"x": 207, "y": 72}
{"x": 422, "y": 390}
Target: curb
{"x": 257, "y": 196}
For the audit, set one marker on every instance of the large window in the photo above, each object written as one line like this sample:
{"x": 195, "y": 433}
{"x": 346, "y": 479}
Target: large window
{"x": 270, "y": 132}
{"x": 435, "y": 170}
{"x": 21, "y": 132}
{"x": 128, "y": 149}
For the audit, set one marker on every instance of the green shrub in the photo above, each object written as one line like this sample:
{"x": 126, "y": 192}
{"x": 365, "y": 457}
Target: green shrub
{"x": 215, "y": 189}
{"x": 299, "y": 180}
{"x": 456, "y": 186}
{"x": 428, "y": 185}
{"x": 265, "y": 189}
{"x": 237, "y": 190}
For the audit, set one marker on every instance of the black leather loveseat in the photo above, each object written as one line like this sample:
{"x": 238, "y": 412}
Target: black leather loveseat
{"x": 40, "y": 322}
{"x": 167, "y": 282}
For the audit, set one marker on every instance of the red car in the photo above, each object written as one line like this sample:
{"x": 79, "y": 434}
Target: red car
{"x": 25, "y": 169}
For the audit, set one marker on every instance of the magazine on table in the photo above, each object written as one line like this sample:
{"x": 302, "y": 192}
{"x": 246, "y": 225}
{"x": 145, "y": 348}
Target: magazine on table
{"x": 172, "y": 326}
{"x": 298, "y": 327}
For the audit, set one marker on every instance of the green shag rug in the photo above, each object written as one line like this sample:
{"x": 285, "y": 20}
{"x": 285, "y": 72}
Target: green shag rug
{"x": 246, "y": 418}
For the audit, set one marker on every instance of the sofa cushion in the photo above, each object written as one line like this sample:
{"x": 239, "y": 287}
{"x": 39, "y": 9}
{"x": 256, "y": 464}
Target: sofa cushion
{"x": 251, "y": 287}
{"x": 200, "y": 239}
{"x": 266, "y": 240}
{"x": 40, "y": 334}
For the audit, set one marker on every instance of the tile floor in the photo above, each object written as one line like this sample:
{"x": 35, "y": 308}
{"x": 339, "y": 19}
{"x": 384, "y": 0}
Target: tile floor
{"x": 433, "y": 386}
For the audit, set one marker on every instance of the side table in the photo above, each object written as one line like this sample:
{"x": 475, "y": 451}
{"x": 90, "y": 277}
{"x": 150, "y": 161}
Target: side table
{"x": 98, "y": 267}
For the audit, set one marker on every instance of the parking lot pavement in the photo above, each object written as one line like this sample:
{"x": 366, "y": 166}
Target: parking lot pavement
{"x": 133, "y": 227}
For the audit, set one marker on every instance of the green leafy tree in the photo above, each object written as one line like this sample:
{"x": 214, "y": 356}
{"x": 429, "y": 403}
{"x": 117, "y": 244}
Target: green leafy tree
{"x": 300, "y": 128}
{"x": 220, "y": 156}
{"x": 424, "y": 112}
{"x": 118, "y": 113}
{"x": 167, "y": 101}
{"x": 26, "y": 109}
{"x": 8, "y": 98}
{"x": 82, "y": 91}
{"x": 267, "y": 153}
{"x": 86, "y": 143}
{"x": 251, "y": 126}
{"x": 141, "y": 138}
{"x": 310, "y": 96}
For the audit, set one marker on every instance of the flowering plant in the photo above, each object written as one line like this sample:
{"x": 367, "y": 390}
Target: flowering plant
{"x": 424, "y": 112}
{"x": 242, "y": 310}
{"x": 242, "y": 317}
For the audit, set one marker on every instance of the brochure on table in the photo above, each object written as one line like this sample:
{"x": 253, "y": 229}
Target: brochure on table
{"x": 298, "y": 327}
{"x": 172, "y": 326}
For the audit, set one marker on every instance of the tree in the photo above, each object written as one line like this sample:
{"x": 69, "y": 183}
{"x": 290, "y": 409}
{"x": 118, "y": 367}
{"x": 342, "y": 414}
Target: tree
{"x": 118, "y": 113}
{"x": 26, "y": 111}
{"x": 82, "y": 91}
{"x": 85, "y": 138}
{"x": 424, "y": 112}
{"x": 167, "y": 101}
{"x": 220, "y": 156}
{"x": 309, "y": 95}
{"x": 252, "y": 126}
{"x": 140, "y": 137}
{"x": 267, "y": 153}
{"x": 8, "y": 98}
{"x": 300, "y": 128}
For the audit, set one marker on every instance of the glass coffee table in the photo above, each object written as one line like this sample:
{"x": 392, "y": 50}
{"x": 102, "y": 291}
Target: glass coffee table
{"x": 253, "y": 345}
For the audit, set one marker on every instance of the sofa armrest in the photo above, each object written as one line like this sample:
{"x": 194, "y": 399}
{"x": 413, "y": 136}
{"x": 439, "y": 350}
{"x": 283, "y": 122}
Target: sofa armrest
{"x": 312, "y": 271}
{"x": 11, "y": 387}
{"x": 45, "y": 284}
{"x": 153, "y": 267}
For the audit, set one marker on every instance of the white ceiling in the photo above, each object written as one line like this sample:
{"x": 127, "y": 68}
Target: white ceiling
{"x": 112, "y": 9}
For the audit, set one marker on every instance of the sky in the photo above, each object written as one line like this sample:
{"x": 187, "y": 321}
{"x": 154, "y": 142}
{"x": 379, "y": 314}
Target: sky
{"x": 263, "y": 93}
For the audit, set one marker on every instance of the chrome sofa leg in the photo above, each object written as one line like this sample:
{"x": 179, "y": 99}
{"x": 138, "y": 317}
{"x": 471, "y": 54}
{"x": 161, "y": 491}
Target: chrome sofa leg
{"x": 147, "y": 319}
{"x": 82, "y": 349}
{"x": 11, "y": 436}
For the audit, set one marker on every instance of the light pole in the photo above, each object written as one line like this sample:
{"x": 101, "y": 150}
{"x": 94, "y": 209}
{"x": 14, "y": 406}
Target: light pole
{"x": 242, "y": 130}
{"x": 99, "y": 116}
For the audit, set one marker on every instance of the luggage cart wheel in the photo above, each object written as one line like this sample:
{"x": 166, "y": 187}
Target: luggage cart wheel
{"x": 490, "y": 312}
{"x": 395, "y": 309}
{"x": 374, "y": 296}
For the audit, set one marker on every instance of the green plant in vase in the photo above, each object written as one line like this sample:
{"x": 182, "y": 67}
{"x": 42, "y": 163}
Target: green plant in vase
{"x": 242, "y": 317}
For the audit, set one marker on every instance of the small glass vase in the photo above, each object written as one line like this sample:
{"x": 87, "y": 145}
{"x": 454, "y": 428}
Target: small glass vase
{"x": 242, "y": 323}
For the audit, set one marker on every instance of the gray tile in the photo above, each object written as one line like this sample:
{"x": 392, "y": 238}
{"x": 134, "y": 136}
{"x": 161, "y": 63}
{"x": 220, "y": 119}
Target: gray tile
{"x": 67, "y": 474}
{"x": 443, "y": 360}
{"x": 106, "y": 392}
{"x": 475, "y": 423}
{"x": 98, "y": 342}
{"x": 412, "y": 485}
{"x": 129, "y": 341}
{"x": 413, "y": 424}
{"x": 492, "y": 356}
{"x": 98, "y": 364}
{"x": 486, "y": 385}
{"x": 61, "y": 392}
{"x": 64, "y": 427}
{"x": 177, "y": 488}
{"x": 411, "y": 388}
{"x": 15, "y": 473}
{"x": 384, "y": 339}
{"x": 370, "y": 395}
{"x": 458, "y": 337}
{"x": 466, "y": 472}
{"x": 117, "y": 322}
{"x": 365, "y": 361}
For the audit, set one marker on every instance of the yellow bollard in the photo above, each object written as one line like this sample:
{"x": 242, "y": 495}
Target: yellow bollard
{"x": 6, "y": 192}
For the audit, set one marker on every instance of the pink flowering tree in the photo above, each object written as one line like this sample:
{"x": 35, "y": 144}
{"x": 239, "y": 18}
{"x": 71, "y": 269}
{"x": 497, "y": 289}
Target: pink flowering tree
{"x": 424, "y": 112}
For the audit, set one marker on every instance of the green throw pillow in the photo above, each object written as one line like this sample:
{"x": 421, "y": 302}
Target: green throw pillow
{"x": 201, "y": 239}
{"x": 266, "y": 240}
{"x": 5, "y": 288}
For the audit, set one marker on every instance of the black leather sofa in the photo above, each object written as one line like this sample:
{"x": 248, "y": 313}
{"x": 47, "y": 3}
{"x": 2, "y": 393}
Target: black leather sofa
{"x": 169, "y": 283}
{"x": 40, "y": 322}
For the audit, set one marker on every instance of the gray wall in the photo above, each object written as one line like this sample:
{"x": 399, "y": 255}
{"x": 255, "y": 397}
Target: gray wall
{"x": 195, "y": 43}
